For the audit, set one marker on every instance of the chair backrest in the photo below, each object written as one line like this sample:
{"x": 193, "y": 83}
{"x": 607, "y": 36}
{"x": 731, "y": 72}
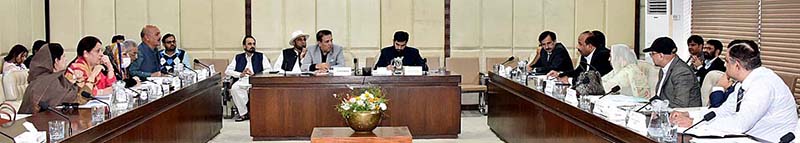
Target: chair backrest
{"x": 711, "y": 79}
{"x": 433, "y": 63}
{"x": 793, "y": 82}
{"x": 2, "y": 93}
{"x": 467, "y": 67}
{"x": 14, "y": 84}
{"x": 498, "y": 60}
{"x": 219, "y": 64}
{"x": 651, "y": 72}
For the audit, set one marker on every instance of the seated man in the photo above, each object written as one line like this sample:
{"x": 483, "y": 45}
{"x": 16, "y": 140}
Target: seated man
{"x": 147, "y": 61}
{"x": 410, "y": 55}
{"x": 720, "y": 92}
{"x": 171, "y": 56}
{"x": 594, "y": 56}
{"x": 552, "y": 57}
{"x": 243, "y": 66}
{"x": 762, "y": 106}
{"x": 711, "y": 51}
{"x": 122, "y": 55}
{"x": 289, "y": 59}
{"x": 677, "y": 82}
{"x": 324, "y": 55}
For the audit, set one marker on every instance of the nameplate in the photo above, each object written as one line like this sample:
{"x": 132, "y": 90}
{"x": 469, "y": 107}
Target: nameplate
{"x": 412, "y": 70}
{"x": 637, "y": 122}
{"x": 381, "y": 71}
{"x": 342, "y": 71}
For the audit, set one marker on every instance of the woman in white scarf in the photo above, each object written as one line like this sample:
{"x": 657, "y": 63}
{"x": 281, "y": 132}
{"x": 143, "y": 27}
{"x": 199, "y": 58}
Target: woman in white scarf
{"x": 626, "y": 73}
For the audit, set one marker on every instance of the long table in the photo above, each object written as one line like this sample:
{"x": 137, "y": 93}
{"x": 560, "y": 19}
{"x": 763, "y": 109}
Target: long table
{"x": 289, "y": 107}
{"x": 190, "y": 114}
{"x": 518, "y": 113}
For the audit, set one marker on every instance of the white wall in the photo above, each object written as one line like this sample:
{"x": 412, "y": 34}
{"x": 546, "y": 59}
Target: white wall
{"x": 213, "y": 29}
{"x": 23, "y": 22}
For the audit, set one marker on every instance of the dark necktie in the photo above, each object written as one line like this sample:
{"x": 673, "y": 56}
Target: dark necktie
{"x": 739, "y": 98}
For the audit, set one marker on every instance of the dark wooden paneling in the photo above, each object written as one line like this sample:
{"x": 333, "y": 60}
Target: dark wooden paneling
{"x": 192, "y": 114}
{"x": 521, "y": 114}
{"x": 290, "y": 107}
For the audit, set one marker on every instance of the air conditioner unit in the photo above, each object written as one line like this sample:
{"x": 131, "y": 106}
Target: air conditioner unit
{"x": 657, "y": 20}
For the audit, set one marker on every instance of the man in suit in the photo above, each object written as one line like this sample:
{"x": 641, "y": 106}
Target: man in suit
{"x": 676, "y": 82}
{"x": 410, "y": 55}
{"x": 711, "y": 51}
{"x": 289, "y": 59}
{"x": 324, "y": 55}
{"x": 243, "y": 66}
{"x": 695, "y": 44}
{"x": 594, "y": 56}
{"x": 552, "y": 56}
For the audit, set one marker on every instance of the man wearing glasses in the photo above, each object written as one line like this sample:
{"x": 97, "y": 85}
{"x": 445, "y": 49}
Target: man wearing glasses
{"x": 171, "y": 55}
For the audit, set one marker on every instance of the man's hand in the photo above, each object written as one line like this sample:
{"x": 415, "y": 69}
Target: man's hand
{"x": 303, "y": 53}
{"x": 246, "y": 72}
{"x": 106, "y": 61}
{"x": 724, "y": 81}
{"x": 323, "y": 66}
{"x": 390, "y": 67}
{"x": 155, "y": 74}
{"x": 564, "y": 79}
{"x": 553, "y": 73}
{"x": 680, "y": 118}
{"x": 697, "y": 62}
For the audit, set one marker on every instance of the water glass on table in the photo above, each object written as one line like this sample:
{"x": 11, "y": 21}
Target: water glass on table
{"x": 57, "y": 130}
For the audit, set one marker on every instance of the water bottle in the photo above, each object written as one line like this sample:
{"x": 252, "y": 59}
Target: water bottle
{"x": 660, "y": 129}
{"x": 119, "y": 98}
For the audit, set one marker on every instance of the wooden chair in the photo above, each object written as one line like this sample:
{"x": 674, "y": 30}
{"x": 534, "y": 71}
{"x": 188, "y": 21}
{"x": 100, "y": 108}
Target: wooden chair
{"x": 793, "y": 82}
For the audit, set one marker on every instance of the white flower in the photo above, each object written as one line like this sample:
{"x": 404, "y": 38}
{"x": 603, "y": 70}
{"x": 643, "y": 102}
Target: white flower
{"x": 361, "y": 102}
{"x": 345, "y": 107}
{"x": 334, "y": 95}
{"x": 383, "y": 106}
{"x": 352, "y": 100}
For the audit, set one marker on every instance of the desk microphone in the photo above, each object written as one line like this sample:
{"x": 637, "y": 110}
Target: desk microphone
{"x": 648, "y": 103}
{"x": 44, "y": 106}
{"x": 789, "y": 137}
{"x": 614, "y": 89}
{"x": 190, "y": 69}
{"x": 707, "y": 117}
{"x": 204, "y": 65}
{"x": 90, "y": 97}
{"x": 509, "y": 60}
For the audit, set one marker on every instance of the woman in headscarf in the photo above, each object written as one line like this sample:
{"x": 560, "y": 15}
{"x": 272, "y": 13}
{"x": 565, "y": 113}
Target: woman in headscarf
{"x": 47, "y": 81}
{"x": 626, "y": 73}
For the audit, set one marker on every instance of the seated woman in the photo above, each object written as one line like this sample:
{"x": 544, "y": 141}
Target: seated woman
{"x": 47, "y": 82}
{"x": 91, "y": 70}
{"x": 626, "y": 73}
{"x": 15, "y": 59}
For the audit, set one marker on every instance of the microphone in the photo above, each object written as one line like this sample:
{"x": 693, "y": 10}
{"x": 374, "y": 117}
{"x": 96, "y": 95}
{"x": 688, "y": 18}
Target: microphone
{"x": 44, "y": 106}
{"x": 89, "y": 96}
{"x": 789, "y": 137}
{"x": 204, "y": 65}
{"x": 614, "y": 89}
{"x": 509, "y": 60}
{"x": 648, "y": 103}
{"x": 707, "y": 117}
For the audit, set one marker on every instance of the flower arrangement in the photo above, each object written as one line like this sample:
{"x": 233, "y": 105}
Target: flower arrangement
{"x": 361, "y": 100}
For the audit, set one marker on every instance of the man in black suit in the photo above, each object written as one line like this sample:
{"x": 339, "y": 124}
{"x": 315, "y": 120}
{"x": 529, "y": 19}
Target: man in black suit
{"x": 594, "y": 56}
{"x": 551, "y": 56}
{"x": 711, "y": 51}
{"x": 399, "y": 48}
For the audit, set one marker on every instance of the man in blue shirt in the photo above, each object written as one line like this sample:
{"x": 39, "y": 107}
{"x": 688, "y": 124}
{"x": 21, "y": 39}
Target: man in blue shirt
{"x": 147, "y": 63}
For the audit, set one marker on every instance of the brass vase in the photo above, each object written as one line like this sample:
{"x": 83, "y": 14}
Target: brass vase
{"x": 364, "y": 121}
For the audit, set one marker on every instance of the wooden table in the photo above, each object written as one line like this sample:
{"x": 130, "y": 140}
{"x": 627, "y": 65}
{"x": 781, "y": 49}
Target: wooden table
{"x": 518, "y": 113}
{"x": 191, "y": 114}
{"x": 290, "y": 107}
{"x": 346, "y": 135}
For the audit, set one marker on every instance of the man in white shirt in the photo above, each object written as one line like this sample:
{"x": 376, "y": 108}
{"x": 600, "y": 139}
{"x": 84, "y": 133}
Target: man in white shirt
{"x": 762, "y": 106}
{"x": 289, "y": 59}
{"x": 241, "y": 68}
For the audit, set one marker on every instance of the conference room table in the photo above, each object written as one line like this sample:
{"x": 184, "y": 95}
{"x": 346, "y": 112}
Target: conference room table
{"x": 520, "y": 114}
{"x": 289, "y": 107}
{"x": 189, "y": 114}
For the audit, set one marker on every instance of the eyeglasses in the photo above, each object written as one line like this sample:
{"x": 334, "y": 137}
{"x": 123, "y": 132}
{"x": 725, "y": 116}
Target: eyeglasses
{"x": 172, "y": 42}
{"x": 251, "y": 44}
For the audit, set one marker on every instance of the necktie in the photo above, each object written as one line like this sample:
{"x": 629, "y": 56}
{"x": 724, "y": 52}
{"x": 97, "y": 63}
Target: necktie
{"x": 739, "y": 99}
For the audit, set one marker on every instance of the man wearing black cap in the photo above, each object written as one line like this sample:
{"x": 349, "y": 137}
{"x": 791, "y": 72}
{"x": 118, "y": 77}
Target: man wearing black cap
{"x": 676, "y": 82}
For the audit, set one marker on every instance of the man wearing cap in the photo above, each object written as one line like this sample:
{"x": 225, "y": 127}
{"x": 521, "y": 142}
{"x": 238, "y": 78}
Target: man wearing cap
{"x": 289, "y": 59}
{"x": 676, "y": 82}
{"x": 400, "y": 48}
{"x": 324, "y": 55}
